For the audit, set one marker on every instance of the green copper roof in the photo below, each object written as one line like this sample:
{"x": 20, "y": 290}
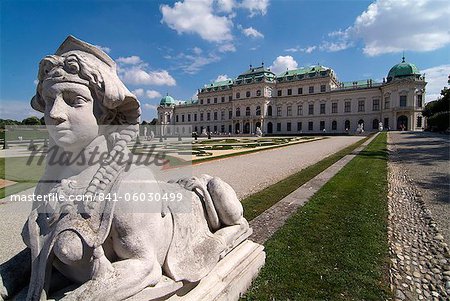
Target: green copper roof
{"x": 255, "y": 72}
{"x": 302, "y": 71}
{"x": 358, "y": 83}
{"x": 167, "y": 101}
{"x": 220, "y": 83}
{"x": 402, "y": 70}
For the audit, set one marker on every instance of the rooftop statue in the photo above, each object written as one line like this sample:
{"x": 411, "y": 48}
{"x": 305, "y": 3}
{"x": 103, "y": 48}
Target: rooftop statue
{"x": 105, "y": 249}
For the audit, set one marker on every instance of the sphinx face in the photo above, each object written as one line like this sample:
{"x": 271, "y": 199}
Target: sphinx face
{"x": 69, "y": 114}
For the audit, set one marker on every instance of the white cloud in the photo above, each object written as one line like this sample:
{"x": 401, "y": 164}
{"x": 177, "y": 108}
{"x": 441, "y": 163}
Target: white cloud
{"x": 130, "y": 60}
{"x": 255, "y": 6}
{"x": 226, "y": 6}
{"x": 152, "y": 94}
{"x": 437, "y": 78}
{"x": 17, "y": 110}
{"x": 138, "y": 92}
{"x": 335, "y": 46}
{"x": 150, "y": 106}
{"x": 251, "y": 32}
{"x": 228, "y": 47}
{"x": 133, "y": 70}
{"x": 389, "y": 26}
{"x": 196, "y": 16}
{"x": 197, "y": 50}
{"x": 36, "y": 82}
{"x": 283, "y": 63}
{"x": 308, "y": 49}
{"x": 103, "y": 48}
{"x": 194, "y": 62}
{"x": 137, "y": 76}
{"x": 221, "y": 77}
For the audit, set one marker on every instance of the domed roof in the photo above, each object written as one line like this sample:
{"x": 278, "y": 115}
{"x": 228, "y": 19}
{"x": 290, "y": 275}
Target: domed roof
{"x": 167, "y": 101}
{"x": 402, "y": 70}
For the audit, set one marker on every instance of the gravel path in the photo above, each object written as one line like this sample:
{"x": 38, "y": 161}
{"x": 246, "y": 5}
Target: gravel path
{"x": 419, "y": 267}
{"x": 253, "y": 172}
{"x": 247, "y": 174}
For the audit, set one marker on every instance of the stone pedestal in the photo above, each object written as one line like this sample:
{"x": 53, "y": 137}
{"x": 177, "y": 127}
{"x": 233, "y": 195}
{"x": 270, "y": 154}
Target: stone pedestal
{"x": 228, "y": 281}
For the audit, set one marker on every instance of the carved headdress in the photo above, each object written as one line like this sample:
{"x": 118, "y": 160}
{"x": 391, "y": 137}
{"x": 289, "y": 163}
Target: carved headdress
{"x": 79, "y": 62}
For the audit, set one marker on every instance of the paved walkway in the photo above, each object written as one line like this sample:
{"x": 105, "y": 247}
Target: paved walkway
{"x": 419, "y": 266}
{"x": 247, "y": 174}
{"x": 267, "y": 223}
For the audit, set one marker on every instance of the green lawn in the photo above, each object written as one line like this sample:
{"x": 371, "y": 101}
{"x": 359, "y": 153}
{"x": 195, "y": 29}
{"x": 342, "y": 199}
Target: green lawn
{"x": 335, "y": 247}
{"x": 16, "y": 169}
{"x": 257, "y": 203}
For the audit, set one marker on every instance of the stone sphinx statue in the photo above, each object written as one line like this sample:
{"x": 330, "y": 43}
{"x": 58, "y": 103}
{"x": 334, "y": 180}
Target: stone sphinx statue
{"x": 91, "y": 249}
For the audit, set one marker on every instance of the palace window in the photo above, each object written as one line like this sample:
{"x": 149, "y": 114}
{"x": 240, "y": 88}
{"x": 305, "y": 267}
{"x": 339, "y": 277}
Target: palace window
{"x": 279, "y": 92}
{"x": 323, "y": 88}
{"x": 238, "y": 112}
{"x": 208, "y": 100}
{"x": 182, "y": 118}
{"x": 334, "y": 125}
{"x": 215, "y": 115}
{"x": 419, "y": 101}
{"x": 361, "y": 104}
{"x": 238, "y": 95}
{"x": 208, "y": 116}
{"x": 176, "y": 118}
{"x": 299, "y": 110}
{"x": 310, "y": 126}
{"x": 311, "y": 89}
{"x": 419, "y": 121}
{"x": 269, "y": 111}
{"x": 376, "y": 105}
{"x": 195, "y": 117}
{"x": 230, "y": 98}
{"x": 334, "y": 108}
{"x": 347, "y": 107}
{"x": 215, "y": 128}
{"x": 222, "y": 128}
{"x": 201, "y": 116}
{"x": 387, "y": 102}
{"x": 300, "y": 91}
{"x": 230, "y": 114}
{"x": 189, "y": 117}
{"x": 279, "y": 127}
{"x": 201, "y": 101}
{"x": 222, "y": 99}
{"x": 215, "y": 99}
{"x": 322, "y": 108}
{"x": 299, "y": 126}
{"x": 403, "y": 100}
{"x": 222, "y": 115}
{"x": 288, "y": 126}
{"x": 311, "y": 109}
{"x": 289, "y": 92}
{"x": 279, "y": 111}
{"x": 247, "y": 111}
{"x": 247, "y": 94}
{"x": 258, "y": 93}
{"x": 258, "y": 111}
{"x": 322, "y": 125}
{"x": 289, "y": 111}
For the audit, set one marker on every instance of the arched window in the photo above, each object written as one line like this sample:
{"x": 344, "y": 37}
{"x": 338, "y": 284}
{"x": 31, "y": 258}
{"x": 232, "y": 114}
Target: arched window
{"x": 238, "y": 112}
{"x": 247, "y": 94}
{"x": 269, "y": 111}
{"x": 334, "y": 125}
{"x": 247, "y": 111}
{"x": 347, "y": 125}
{"x": 375, "y": 123}
{"x": 258, "y": 111}
{"x": 360, "y": 121}
{"x": 238, "y": 95}
{"x": 270, "y": 128}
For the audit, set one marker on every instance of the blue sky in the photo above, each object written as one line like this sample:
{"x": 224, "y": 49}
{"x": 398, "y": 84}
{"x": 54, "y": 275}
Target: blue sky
{"x": 176, "y": 47}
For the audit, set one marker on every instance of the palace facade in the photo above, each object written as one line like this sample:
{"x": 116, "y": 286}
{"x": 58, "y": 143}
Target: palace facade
{"x": 305, "y": 100}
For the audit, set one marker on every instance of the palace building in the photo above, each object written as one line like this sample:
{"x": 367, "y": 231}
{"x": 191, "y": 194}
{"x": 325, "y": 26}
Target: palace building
{"x": 305, "y": 100}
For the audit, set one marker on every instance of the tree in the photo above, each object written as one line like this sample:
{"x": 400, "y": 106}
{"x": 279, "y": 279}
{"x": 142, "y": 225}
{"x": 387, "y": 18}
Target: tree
{"x": 438, "y": 112}
{"x": 33, "y": 120}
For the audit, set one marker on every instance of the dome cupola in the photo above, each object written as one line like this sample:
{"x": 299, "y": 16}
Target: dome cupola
{"x": 404, "y": 69}
{"x": 167, "y": 101}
